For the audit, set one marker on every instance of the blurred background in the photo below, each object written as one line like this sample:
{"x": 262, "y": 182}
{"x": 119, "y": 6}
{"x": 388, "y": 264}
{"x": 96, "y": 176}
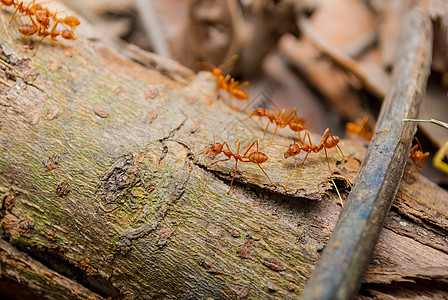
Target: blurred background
{"x": 331, "y": 59}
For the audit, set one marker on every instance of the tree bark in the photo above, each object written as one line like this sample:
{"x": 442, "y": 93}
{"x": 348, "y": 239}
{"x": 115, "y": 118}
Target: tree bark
{"x": 95, "y": 205}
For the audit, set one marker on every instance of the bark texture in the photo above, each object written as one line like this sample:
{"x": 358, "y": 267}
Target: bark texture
{"x": 91, "y": 192}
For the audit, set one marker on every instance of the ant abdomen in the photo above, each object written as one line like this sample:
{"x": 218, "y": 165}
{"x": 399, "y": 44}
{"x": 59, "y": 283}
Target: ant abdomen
{"x": 257, "y": 157}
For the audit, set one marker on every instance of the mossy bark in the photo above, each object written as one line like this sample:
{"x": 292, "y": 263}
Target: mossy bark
{"x": 91, "y": 188}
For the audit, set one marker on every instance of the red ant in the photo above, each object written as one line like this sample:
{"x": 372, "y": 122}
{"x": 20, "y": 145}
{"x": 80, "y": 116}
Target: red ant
{"x": 29, "y": 10}
{"x": 41, "y": 24}
{"x": 417, "y": 156}
{"x": 234, "y": 88}
{"x": 227, "y": 83}
{"x": 257, "y": 157}
{"x": 221, "y": 81}
{"x": 28, "y": 30}
{"x": 295, "y": 124}
{"x": 328, "y": 141}
{"x": 361, "y": 127}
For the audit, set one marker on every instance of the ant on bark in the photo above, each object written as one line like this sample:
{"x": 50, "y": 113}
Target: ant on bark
{"x": 361, "y": 127}
{"x": 217, "y": 71}
{"x": 417, "y": 156}
{"x": 52, "y": 35}
{"x": 227, "y": 83}
{"x": 328, "y": 141}
{"x": 234, "y": 88}
{"x": 257, "y": 157}
{"x": 295, "y": 124}
{"x": 40, "y": 24}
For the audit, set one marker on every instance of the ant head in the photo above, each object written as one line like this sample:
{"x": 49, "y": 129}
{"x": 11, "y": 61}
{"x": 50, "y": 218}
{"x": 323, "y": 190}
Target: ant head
{"x": 214, "y": 149}
{"x": 420, "y": 156}
{"x": 217, "y": 72}
{"x": 43, "y": 19}
{"x": 67, "y": 34}
{"x": 293, "y": 150}
{"x": 260, "y": 112}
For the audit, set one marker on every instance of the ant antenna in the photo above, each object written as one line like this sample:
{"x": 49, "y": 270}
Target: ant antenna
{"x": 231, "y": 59}
{"x": 224, "y": 64}
{"x": 213, "y": 132}
{"x": 254, "y": 113}
{"x": 197, "y": 154}
{"x": 419, "y": 143}
{"x": 207, "y": 64}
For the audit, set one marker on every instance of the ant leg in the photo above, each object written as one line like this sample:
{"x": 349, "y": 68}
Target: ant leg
{"x": 307, "y": 133}
{"x": 236, "y": 164}
{"x": 251, "y": 145}
{"x": 265, "y": 130}
{"x": 38, "y": 45}
{"x": 234, "y": 173}
{"x": 275, "y": 132}
{"x": 230, "y": 97}
{"x": 219, "y": 81}
{"x": 326, "y": 156}
{"x": 290, "y": 116}
{"x": 340, "y": 152}
{"x": 221, "y": 160}
{"x": 417, "y": 168}
{"x": 18, "y": 7}
{"x": 298, "y": 138}
{"x": 243, "y": 120}
{"x": 266, "y": 175}
{"x": 280, "y": 116}
{"x": 287, "y": 181}
{"x": 26, "y": 35}
{"x": 419, "y": 145}
{"x": 60, "y": 44}
{"x": 407, "y": 140}
{"x": 326, "y": 134}
{"x": 246, "y": 83}
{"x": 303, "y": 161}
{"x": 294, "y": 115}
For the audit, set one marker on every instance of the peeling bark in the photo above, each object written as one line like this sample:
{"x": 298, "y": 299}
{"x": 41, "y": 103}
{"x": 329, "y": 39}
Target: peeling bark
{"x": 115, "y": 216}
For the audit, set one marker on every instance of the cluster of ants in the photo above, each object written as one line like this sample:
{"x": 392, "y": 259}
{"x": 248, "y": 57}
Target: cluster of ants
{"x": 253, "y": 153}
{"x": 44, "y": 23}
{"x": 303, "y": 143}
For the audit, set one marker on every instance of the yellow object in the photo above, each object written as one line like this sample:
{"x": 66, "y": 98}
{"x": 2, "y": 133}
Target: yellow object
{"x": 438, "y": 159}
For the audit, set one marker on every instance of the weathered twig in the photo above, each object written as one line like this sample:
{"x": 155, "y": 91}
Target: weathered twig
{"x": 153, "y": 28}
{"x": 340, "y": 270}
{"x": 437, "y": 122}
